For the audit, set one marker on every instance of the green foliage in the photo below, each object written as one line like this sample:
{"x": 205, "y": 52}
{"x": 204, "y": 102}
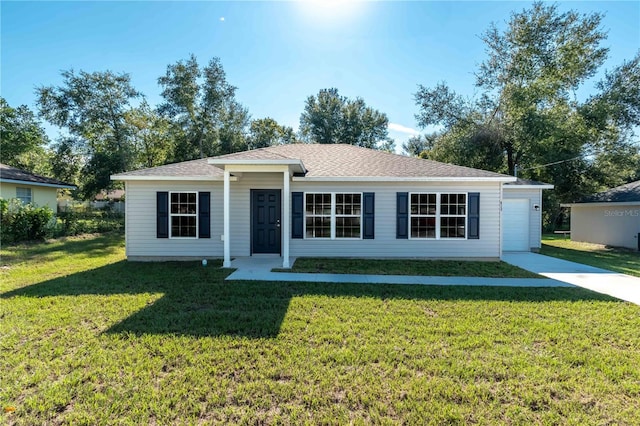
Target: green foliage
{"x": 22, "y": 139}
{"x": 206, "y": 118}
{"x": 527, "y": 116}
{"x": 330, "y": 118}
{"x": 92, "y": 107}
{"x": 75, "y": 221}
{"x": 150, "y": 135}
{"x": 24, "y": 222}
{"x": 265, "y": 132}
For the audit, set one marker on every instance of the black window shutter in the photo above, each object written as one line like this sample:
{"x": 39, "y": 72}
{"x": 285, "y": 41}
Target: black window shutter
{"x": 204, "y": 215}
{"x": 297, "y": 215}
{"x": 369, "y": 215}
{"x": 402, "y": 215}
{"x": 162, "y": 215}
{"x": 474, "y": 216}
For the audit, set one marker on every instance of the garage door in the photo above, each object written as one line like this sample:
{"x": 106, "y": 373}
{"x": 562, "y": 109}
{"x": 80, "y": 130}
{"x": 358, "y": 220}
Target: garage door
{"x": 515, "y": 225}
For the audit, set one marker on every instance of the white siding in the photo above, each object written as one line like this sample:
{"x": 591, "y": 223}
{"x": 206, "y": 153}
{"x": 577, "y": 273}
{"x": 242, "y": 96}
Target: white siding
{"x": 385, "y": 243}
{"x": 141, "y": 222}
{"x": 143, "y": 244}
{"x": 614, "y": 225}
{"x": 534, "y": 196}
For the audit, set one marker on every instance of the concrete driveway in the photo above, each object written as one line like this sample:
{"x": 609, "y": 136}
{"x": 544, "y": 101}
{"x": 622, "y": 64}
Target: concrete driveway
{"x": 618, "y": 285}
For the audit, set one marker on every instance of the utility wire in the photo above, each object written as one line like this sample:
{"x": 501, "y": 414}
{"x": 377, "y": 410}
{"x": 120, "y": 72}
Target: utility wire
{"x": 516, "y": 170}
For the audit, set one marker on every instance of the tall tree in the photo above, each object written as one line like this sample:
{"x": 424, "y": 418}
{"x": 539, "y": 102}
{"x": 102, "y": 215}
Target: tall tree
{"x": 92, "y": 107}
{"x": 332, "y": 118}
{"x": 150, "y": 136}
{"x": 206, "y": 118}
{"x": 264, "y": 132}
{"x": 23, "y": 141}
{"x": 527, "y": 115}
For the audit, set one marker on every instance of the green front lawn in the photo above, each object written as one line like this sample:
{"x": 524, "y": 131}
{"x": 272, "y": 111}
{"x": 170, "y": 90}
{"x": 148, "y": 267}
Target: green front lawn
{"x": 433, "y": 268}
{"x": 89, "y": 338}
{"x": 615, "y": 259}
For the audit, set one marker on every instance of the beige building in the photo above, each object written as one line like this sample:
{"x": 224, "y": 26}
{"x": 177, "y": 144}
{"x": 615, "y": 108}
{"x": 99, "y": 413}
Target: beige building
{"x": 30, "y": 188}
{"x": 610, "y": 218}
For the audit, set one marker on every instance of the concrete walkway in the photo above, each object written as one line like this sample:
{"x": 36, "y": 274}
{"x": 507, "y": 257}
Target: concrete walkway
{"x": 618, "y": 285}
{"x": 258, "y": 268}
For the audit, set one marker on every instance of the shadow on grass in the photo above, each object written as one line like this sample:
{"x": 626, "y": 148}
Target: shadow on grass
{"x": 198, "y": 302}
{"x": 90, "y": 245}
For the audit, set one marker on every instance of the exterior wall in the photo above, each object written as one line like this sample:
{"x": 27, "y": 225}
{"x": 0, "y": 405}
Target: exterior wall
{"x": 142, "y": 243}
{"x": 614, "y": 225}
{"x": 140, "y": 222}
{"x": 534, "y": 196}
{"x": 40, "y": 195}
{"x": 385, "y": 243}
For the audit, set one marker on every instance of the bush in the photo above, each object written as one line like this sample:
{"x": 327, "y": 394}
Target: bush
{"x": 74, "y": 222}
{"x": 20, "y": 222}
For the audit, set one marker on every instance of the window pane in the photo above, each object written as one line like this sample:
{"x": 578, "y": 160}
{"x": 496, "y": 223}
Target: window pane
{"x": 423, "y": 227}
{"x": 24, "y": 195}
{"x": 183, "y": 226}
{"x": 452, "y": 227}
{"x": 348, "y": 227}
{"x": 318, "y": 227}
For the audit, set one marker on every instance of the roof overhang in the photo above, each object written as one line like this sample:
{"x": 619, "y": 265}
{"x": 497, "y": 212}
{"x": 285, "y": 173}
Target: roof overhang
{"x": 399, "y": 179}
{"x": 170, "y": 178}
{"x": 239, "y": 165}
{"x": 603, "y": 204}
{"x": 543, "y": 186}
{"x": 27, "y": 182}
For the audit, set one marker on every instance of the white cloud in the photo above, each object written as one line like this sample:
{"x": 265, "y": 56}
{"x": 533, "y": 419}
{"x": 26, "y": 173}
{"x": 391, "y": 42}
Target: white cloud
{"x": 402, "y": 129}
{"x": 222, "y": 19}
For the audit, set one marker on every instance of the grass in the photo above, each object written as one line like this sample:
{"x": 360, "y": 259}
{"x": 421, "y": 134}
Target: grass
{"x": 89, "y": 338}
{"x": 434, "y": 268}
{"x": 615, "y": 259}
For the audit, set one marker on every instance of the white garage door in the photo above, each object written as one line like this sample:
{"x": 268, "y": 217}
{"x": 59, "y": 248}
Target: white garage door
{"x": 515, "y": 225}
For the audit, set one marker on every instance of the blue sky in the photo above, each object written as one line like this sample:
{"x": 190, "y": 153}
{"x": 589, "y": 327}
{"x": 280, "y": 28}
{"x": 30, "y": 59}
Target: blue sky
{"x": 276, "y": 53}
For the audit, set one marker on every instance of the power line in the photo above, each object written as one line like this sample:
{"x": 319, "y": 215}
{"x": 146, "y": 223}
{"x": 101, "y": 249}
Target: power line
{"x": 515, "y": 169}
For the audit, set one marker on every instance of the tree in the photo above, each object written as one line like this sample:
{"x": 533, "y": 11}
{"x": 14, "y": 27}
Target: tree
{"x": 206, "y": 118}
{"x": 331, "y": 118}
{"x": 528, "y": 117}
{"x": 22, "y": 139}
{"x": 92, "y": 107}
{"x": 264, "y": 132}
{"x": 150, "y": 136}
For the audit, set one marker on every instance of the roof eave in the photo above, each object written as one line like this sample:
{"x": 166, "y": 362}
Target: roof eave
{"x": 602, "y": 204}
{"x": 123, "y": 177}
{"x": 27, "y": 182}
{"x": 297, "y": 166}
{"x": 401, "y": 179}
{"x": 544, "y": 186}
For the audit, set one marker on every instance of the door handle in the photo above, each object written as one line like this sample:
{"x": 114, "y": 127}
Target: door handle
{"x": 278, "y": 223}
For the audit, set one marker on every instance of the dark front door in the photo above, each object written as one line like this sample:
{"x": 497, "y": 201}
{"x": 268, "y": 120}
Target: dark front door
{"x": 265, "y": 221}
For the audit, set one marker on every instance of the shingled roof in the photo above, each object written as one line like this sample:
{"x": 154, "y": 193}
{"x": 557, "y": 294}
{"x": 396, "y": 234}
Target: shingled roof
{"x": 627, "y": 193}
{"x": 325, "y": 161}
{"x": 13, "y": 175}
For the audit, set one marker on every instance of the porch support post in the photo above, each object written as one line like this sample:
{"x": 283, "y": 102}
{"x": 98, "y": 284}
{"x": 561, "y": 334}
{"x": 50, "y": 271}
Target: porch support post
{"x": 226, "y": 217}
{"x": 286, "y": 228}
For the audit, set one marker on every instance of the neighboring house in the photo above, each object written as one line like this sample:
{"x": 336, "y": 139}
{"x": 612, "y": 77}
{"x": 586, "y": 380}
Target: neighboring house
{"x": 611, "y": 217}
{"x": 29, "y": 187}
{"x": 111, "y": 195}
{"x": 317, "y": 200}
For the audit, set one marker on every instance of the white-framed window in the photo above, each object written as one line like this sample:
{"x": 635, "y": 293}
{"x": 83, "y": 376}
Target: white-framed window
{"x": 453, "y": 215}
{"x": 183, "y": 214}
{"x": 333, "y": 215}
{"x": 438, "y": 215}
{"x": 24, "y": 194}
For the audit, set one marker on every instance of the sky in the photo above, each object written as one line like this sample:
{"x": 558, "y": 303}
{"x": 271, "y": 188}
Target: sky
{"x": 277, "y": 53}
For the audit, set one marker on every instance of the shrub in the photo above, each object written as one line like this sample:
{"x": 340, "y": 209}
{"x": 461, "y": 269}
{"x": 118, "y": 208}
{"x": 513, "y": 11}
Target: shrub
{"x": 24, "y": 222}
